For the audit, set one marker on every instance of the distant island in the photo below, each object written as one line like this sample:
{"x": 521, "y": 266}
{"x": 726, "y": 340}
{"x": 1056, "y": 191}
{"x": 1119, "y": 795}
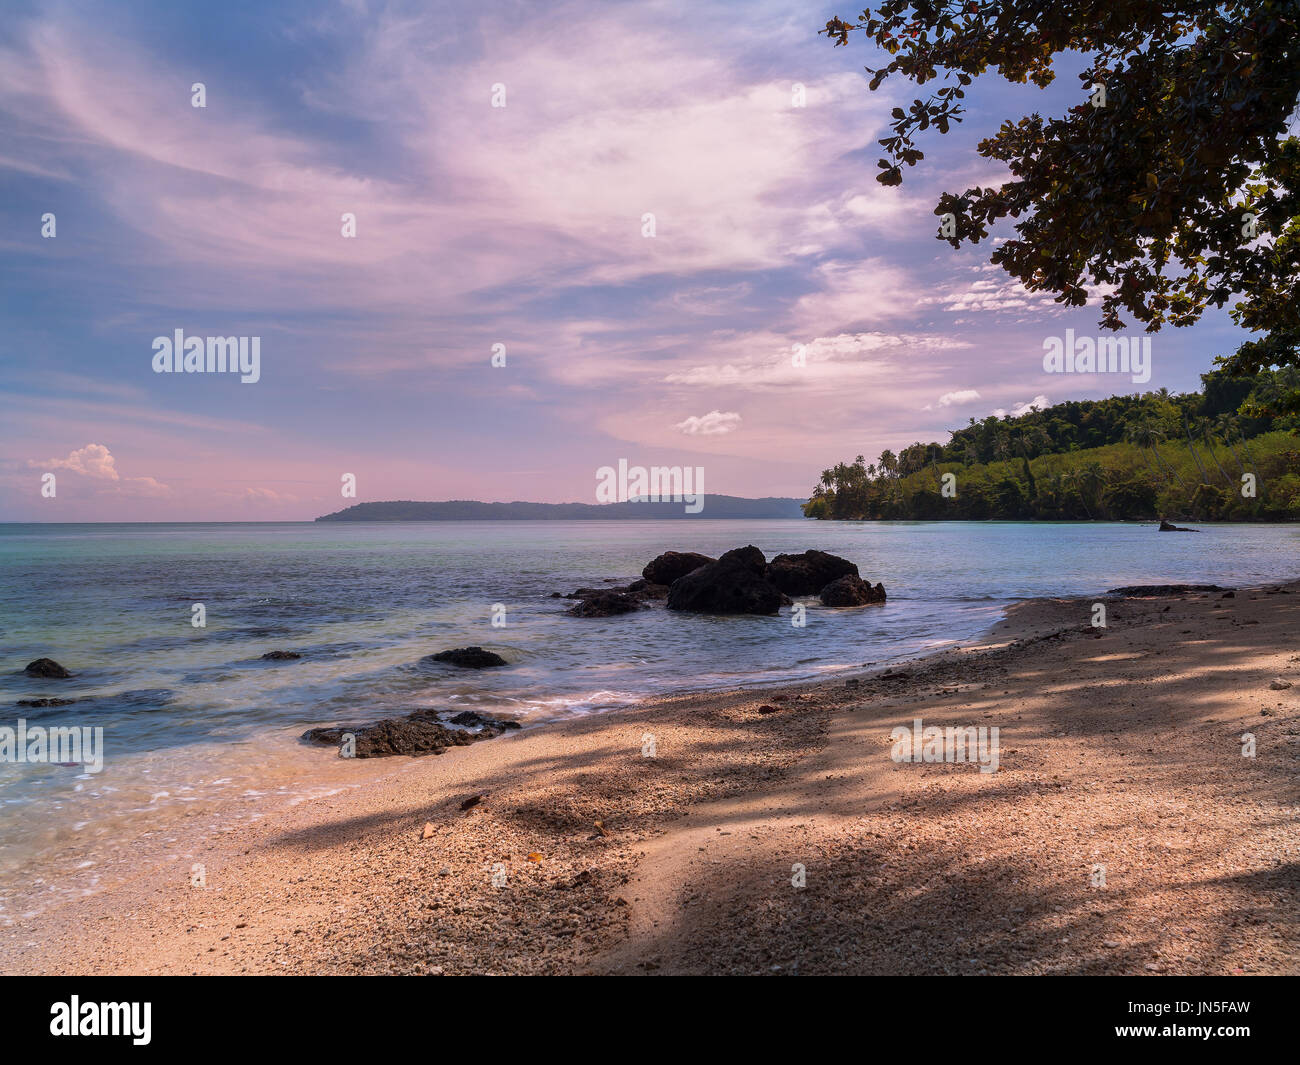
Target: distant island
{"x": 715, "y": 506}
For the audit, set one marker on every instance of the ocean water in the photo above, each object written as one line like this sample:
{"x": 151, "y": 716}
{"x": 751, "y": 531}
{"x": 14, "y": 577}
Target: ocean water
{"x": 190, "y": 714}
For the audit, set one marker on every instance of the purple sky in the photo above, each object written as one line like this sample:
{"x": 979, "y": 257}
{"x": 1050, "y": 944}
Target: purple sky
{"x": 477, "y": 225}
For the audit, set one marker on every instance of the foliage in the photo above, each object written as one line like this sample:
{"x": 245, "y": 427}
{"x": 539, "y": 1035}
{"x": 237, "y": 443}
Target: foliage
{"x": 1122, "y": 458}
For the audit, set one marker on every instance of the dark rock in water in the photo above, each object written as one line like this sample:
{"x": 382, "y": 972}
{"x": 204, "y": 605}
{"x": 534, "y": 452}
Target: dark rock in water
{"x": 604, "y": 605}
{"x": 748, "y": 556}
{"x": 470, "y": 658}
{"x": 644, "y": 589}
{"x": 728, "y": 586}
{"x": 419, "y": 733}
{"x": 556, "y": 595}
{"x": 673, "y": 564}
{"x": 851, "y": 591}
{"x": 809, "y": 573}
{"x": 46, "y": 702}
{"x": 281, "y": 656}
{"x": 1138, "y": 590}
{"x": 46, "y": 667}
{"x": 470, "y": 719}
{"x": 1168, "y": 527}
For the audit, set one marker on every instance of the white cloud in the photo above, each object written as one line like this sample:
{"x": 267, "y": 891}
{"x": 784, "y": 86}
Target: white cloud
{"x": 1037, "y": 403}
{"x": 715, "y": 423}
{"x": 96, "y": 462}
{"x": 957, "y": 398}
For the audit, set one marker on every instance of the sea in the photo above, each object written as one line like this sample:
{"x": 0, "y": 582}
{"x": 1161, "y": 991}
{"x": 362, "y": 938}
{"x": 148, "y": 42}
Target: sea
{"x": 192, "y": 713}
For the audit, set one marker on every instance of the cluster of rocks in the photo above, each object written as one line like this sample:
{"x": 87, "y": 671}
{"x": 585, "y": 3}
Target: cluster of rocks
{"x": 421, "y": 732}
{"x": 741, "y": 581}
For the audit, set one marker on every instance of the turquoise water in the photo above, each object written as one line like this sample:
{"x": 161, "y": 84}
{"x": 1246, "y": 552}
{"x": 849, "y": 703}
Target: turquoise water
{"x": 363, "y": 603}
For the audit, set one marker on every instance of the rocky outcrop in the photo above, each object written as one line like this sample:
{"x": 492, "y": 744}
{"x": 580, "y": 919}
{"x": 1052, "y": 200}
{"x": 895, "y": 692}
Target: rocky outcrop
{"x": 667, "y": 567}
{"x": 729, "y": 586}
{"x": 469, "y": 658}
{"x": 748, "y": 556}
{"x": 809, "y": 573}
{"x": 1169, "y": 527}
{"x": 46, "y": 668}
{"x": 423, "y": 732}
{"x": 851, "y": 591}
{"x": 280, "y": 656}
{"x": 604, "y": 605}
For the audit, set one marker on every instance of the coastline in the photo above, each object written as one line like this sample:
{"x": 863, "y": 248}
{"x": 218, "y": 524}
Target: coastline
{"x": 1121, "y": 749}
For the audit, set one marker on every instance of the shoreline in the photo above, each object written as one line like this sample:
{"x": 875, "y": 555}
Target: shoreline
{"x": 690, "y": 867}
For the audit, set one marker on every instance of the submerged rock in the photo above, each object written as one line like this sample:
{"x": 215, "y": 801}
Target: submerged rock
{"x": 851, "y": 591}
{"x": 419, "y": 733}
{"x": 728, "y": 586}
{"x": 667, "y": 567}
{"x": 46, "y": 702}
{"x": 46, "y": 667}
{"x": 280, "y": 656}
{"x": 1139, "y": 590}
{"x": 603, "y": 605}
{"x": 1170, "y": 527}
{"x": 809, "y": 573}
{"x": 469, "y": 658}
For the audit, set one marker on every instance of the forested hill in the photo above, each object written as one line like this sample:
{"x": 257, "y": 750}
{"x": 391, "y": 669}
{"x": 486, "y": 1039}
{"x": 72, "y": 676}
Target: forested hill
{"x": 715, "y": 506}
{"x": 1227, "y": 453}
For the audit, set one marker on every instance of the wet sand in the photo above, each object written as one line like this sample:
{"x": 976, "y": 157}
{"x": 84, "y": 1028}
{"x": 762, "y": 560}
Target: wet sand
{"x": 1124, "y": 831}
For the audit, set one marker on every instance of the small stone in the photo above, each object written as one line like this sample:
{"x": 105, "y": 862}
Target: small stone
{"x": 428, "y": 831}
{"x": 1280, "y": 685}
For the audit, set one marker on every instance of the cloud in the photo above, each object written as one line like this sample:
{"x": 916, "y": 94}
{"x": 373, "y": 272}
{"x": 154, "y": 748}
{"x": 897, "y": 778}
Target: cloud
{"x": 93, "y": 460}
{"x": 1037, "y": 403}
{"x": 715, "y": 423}
{"x": 956, "y": 399}
{"x": 96, "y": 462}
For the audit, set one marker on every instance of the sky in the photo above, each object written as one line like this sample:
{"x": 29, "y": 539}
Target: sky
{"x": 687, "y": 261}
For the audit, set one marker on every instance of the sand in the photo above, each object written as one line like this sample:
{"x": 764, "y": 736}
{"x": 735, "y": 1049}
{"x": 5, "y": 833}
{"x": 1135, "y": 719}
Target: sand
{"x": 1123, "y": 833}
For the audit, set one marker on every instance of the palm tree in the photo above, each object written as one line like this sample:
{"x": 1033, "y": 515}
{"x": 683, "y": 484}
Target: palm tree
{"x": 1203, "y": 424}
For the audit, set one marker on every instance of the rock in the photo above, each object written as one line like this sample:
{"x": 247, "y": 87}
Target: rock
{"x": 1141, "y": 590}
{"x": 471, "y": 802}
{"x": 469, "y": 658}
{"x": 1168, "y": 527}
{"x": 46, "y": 702}
{"x": 748, "y": 556}
{"x": 1228, "y": 595}
{"x": 851, "y": 591}
{"x": 46, "y": 667}
{"x": 644, "y": 589}
{"x": 428, "y": 831}
{"x": 809, "y": 573}
{"x": 281, "y": 656}
{"x": 667, "y": 567}
{"x": 470, "y": 719}
{"x": 603, "y": 605}
{"x": 1280, "y": 685}
{"x": 767, "y": 708}
{"x": 727, "y": 586}
{"x": 421, "y": 732}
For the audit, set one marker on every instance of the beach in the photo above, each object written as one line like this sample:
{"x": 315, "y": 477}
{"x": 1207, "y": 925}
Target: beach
{"x": 1124, "y": 831}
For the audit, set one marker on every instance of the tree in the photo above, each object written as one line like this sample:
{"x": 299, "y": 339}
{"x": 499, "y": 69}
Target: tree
{"x": 1172, "y": 184}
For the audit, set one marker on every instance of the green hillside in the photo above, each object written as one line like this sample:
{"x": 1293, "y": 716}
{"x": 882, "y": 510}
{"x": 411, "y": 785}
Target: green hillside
{"x": 1189, "y": 456}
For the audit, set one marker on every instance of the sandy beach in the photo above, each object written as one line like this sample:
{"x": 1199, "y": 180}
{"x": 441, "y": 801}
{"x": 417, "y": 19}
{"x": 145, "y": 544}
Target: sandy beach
{"x": 1123, "y": 833}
